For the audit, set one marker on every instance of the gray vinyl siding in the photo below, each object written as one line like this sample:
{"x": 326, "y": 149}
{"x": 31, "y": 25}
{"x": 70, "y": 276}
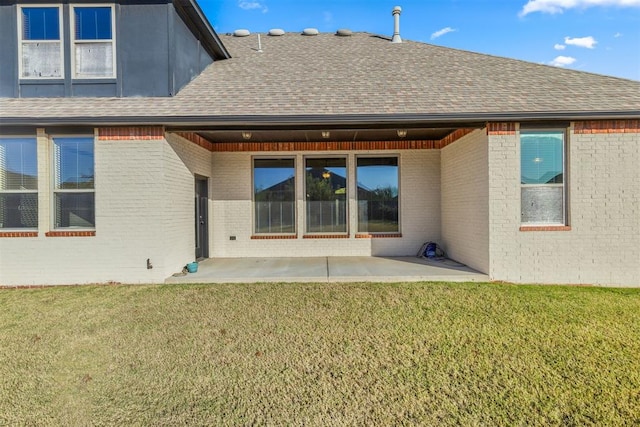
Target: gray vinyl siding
{"x": 157, "y": 54}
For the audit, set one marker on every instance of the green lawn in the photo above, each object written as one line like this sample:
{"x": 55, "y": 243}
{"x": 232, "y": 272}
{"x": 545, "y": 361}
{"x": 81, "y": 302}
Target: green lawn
{"x": 320, "y": 354}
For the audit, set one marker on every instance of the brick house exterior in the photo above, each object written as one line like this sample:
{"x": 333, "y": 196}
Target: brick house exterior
{"x": 451, "y": 122}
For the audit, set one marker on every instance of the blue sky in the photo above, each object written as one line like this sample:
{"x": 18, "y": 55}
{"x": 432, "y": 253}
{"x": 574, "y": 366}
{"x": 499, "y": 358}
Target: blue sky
{"x": 598, "y": 36}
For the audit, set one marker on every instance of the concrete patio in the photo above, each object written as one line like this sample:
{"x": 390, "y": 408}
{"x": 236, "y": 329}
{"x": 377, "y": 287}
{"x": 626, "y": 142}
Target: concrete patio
{"x": 329, "y": 269}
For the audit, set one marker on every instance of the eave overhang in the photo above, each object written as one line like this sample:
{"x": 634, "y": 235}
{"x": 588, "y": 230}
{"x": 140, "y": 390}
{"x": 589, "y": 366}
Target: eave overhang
{"x": 311, "y": 122}
{"x": 190, "y": 11}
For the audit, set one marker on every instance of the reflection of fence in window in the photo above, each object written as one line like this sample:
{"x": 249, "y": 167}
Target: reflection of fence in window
{"x": 378, "y": 216}
{"x": 275, "y": 217}
{"x": 327, "y": 216}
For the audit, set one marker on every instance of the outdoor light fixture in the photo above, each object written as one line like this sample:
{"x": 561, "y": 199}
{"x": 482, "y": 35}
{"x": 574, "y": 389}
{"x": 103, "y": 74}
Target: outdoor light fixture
{"x": 326, "y": 174}
{"x": 246, "y": 135}
{"x": 401, "y": 133}
{"x": 326, "y": 134}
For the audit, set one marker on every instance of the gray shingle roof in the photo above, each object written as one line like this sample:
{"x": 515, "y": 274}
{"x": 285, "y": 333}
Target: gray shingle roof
{"x": 361, "y": 75}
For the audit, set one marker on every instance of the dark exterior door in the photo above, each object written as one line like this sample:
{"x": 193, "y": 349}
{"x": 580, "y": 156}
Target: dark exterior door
{"x": 202, "y": 218}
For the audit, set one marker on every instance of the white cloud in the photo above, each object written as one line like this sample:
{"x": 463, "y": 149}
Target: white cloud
{"x": 442, "y": 32}
{"x": 252, "y": 5}
{"x": 559, "y": 6}
{"x": 562, "y": 61}
{"x": 559, "y": 46}
{"x": 617, "y": 35}
{"x": 588, "y": 42}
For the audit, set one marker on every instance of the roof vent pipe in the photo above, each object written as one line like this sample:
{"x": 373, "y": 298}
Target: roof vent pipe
{"x": 396, "y": 25}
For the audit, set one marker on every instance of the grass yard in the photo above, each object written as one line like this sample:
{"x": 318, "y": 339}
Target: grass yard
{"x": 320, "y": 354}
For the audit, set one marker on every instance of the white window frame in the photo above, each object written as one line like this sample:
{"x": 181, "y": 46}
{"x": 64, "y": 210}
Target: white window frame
{"x": 54, "y": 190}
{"x": 563, "y": 185}
{"x": 21, "y": 41}
{"x": 74, "y": 41}
{"x": 31, "y": 191}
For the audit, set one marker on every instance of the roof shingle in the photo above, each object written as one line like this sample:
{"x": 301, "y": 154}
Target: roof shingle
{"x": 363, "y": 74}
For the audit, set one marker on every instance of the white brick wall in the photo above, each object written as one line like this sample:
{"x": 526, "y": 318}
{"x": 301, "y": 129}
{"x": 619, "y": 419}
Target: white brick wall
{"x": 232, "y": 213}
{"x": 144, "y": 209}
{"x": 182, "y": 161}
{"x": 465, "y": 200}
{"x": 603, "y": 245}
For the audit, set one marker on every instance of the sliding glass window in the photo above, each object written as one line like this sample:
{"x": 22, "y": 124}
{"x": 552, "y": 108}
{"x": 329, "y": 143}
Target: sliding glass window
{"x": 274, "y": 196}
{"x": 326, "y": 195}
{"x": 378, "y": 205}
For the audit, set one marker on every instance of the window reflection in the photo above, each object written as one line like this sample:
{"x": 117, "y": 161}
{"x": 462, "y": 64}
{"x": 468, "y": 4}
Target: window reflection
{"x": 274, "y": 195}
{"x": 377, "y": 194}
{"x": 326, "y": 195}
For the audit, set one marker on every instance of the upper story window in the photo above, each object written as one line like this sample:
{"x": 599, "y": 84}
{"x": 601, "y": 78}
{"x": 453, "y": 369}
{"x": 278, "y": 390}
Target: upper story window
{"x": 93, "y": 42}
{"x": 40, "y": 41}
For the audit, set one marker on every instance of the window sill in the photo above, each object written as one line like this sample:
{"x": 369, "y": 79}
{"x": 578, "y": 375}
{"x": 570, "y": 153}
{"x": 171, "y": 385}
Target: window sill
{"x": 545, "y": 228}
{"x": 378, "y": 235}
{"x": 93, "y": 80}
{"x": 86, "y": 233}
{"x": 325, "y": 236}
{"x": 18, "y": 234}
{"x": 41, "y": 80}
{"x": 273, "y": 236}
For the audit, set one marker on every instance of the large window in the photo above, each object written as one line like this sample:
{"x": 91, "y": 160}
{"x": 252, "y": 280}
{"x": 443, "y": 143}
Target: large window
{"x": 39, "y": 34}
{"x": 18, "y": 183}
{"x": 93, "y": 42}
{"x": 73, "y": 193}
{"x": 377, "y": 179}
{"x": 274, "y": 195}
{"x": 326, "y": 195}
{"x": 542, "y": 177}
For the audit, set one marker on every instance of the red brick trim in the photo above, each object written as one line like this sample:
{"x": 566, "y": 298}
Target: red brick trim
{"x": 324, "y": 146}
{"x": 273, "y": 236}
{"x": 131, "y": 133}
{"x": 70, "y": 233}
{"x": 503, "y": 128}
{"x": 606, "y": 126}
{"x": 545, "y": 228}
{"x": 325, "y": 236}
{"x": 249, "y": 146}
{"x": 18, "y": 234}
{"x": 196, "y": 139}
{"x": 453, "y": 137}
{"x": 378, "y": 235}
